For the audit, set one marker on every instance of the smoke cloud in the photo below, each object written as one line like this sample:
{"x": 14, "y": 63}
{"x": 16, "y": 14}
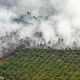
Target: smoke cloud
{"x": 57, "y": 21}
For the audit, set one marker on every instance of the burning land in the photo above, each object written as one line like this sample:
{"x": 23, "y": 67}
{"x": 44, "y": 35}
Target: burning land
{"x": 11, "y": 43}
{"x": 39, "y": 24}
{"x": 40, "y": 39}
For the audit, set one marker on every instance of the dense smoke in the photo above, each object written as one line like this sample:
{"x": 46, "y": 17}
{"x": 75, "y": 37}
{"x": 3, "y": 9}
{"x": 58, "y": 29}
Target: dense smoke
{"x": 56, "y": 22}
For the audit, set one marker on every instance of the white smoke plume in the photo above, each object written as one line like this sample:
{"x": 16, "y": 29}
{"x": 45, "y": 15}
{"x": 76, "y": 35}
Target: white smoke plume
{"x": 57, "y": 21}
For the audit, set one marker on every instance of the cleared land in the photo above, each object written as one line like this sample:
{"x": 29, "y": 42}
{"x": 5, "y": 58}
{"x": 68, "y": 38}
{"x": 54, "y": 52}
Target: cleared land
{"x": 41, "y": 64}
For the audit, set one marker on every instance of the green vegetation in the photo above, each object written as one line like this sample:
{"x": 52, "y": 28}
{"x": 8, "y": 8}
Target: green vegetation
{"x": 41, "y": 64}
